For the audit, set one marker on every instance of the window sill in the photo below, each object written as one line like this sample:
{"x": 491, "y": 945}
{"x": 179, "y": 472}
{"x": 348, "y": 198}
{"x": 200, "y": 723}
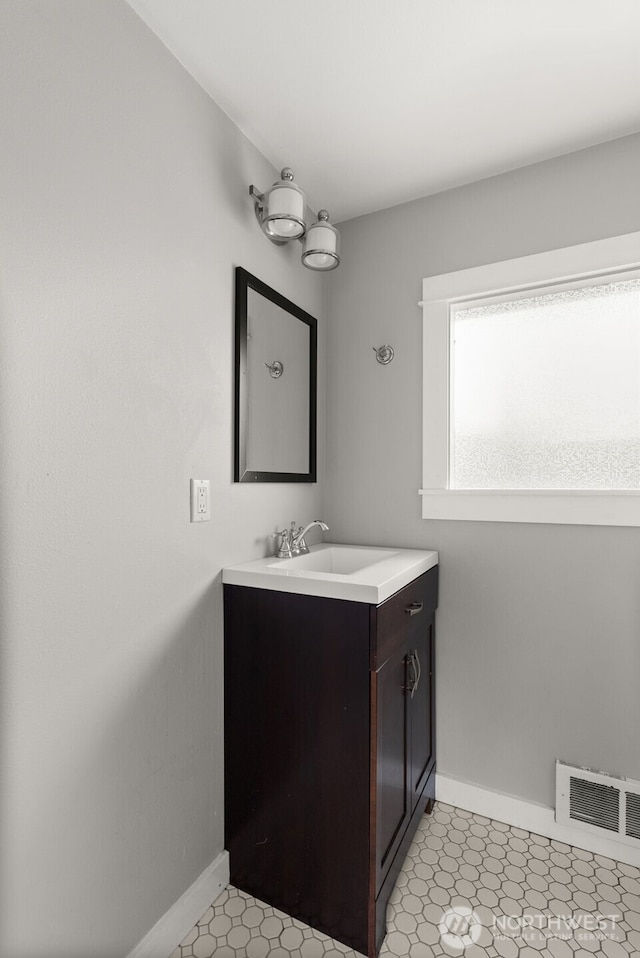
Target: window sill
{"x": 522, "y": 505}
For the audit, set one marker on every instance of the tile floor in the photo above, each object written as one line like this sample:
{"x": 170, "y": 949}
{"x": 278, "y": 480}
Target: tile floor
{"x": 518, "y": 895}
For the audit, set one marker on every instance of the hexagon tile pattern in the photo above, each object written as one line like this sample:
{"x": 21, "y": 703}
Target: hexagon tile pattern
{"x": 518, "y": 895}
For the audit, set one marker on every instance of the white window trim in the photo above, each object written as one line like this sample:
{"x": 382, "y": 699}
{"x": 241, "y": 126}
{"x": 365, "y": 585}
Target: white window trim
{"x": 589, "y": 260}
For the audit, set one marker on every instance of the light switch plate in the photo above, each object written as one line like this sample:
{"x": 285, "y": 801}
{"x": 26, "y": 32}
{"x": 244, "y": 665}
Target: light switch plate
{"x": 200, "y": 500}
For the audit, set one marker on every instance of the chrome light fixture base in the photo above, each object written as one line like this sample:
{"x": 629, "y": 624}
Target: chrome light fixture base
{"x": 258, "y": 209}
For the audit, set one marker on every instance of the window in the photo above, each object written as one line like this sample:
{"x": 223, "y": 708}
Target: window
{"x": 532, "y": 388}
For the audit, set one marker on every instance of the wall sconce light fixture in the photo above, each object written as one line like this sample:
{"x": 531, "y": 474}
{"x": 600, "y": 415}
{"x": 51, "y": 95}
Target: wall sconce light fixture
{"x": 321, "y": 244}
{"x": 280, "y": 212}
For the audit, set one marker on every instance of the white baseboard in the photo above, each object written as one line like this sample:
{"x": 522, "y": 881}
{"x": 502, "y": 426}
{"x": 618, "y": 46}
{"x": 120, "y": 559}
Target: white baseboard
{"x": 529, "y": 816}
{"x": 168, "y": 932}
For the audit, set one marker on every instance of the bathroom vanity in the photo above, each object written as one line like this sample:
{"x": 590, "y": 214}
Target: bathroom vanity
{"x": 329, "y": 730}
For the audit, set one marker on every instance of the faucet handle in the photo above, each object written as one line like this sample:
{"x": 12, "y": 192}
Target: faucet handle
{"x": 284, "y": 548}
{"x": 285, "y": 535}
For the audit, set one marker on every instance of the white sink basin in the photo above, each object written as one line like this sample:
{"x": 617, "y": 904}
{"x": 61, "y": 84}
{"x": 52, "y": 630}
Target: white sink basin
{"x": 341, "y": 560}
{"x": 356, "y": 573}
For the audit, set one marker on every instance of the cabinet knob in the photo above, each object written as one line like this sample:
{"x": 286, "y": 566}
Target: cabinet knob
{"x": 414, "y": 608}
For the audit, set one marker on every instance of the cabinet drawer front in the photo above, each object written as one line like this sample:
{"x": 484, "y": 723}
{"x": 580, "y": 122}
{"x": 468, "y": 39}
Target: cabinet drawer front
{"x": 393, "y": 621}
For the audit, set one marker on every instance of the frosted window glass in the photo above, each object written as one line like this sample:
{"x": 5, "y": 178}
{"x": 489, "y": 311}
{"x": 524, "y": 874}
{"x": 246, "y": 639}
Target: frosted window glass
{"x": 545, "y": 391}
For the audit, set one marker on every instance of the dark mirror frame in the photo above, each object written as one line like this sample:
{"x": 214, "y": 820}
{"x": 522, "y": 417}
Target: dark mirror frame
{"x": 244, "y": 282}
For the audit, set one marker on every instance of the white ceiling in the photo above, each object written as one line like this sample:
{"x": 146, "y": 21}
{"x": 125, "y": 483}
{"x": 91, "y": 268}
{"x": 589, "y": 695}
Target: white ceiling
{"x": 375, "y": 102}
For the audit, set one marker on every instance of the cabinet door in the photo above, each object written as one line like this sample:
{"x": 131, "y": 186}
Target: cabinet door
{"x": 392, "y": 759}
{"x": 420, "y": 707}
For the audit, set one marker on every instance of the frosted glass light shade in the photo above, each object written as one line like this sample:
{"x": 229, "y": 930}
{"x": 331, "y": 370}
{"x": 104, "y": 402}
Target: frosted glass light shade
{"x": 283, "y": 217}
{"x": 321, "y": 245}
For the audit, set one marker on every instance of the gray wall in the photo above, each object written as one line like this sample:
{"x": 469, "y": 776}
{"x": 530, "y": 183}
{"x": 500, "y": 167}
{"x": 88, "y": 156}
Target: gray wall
{"x": 539, "y": 626}
{"x": 123, "y": 210}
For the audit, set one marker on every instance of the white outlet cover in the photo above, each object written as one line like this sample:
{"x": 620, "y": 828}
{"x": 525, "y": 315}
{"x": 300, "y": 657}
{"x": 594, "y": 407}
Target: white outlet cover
{"x": 200, "y": 500}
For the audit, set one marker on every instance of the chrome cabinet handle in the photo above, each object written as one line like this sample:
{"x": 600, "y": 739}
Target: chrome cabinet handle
{"x": 417, "y": 658}
{"x": 414, "y": 662}
{"x": 414, "y": 608}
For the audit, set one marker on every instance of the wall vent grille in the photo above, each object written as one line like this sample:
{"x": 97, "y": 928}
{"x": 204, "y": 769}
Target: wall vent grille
{"x": 632, "y": 829}
{"x": 597, "y": 802}
{"x": 594, "y": 804}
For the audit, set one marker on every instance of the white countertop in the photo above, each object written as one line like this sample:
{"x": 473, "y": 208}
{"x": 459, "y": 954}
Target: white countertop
{"x": 356, "y": 573}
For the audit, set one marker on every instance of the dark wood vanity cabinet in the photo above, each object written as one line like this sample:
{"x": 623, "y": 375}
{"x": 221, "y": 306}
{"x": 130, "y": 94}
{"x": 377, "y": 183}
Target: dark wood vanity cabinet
{"x": 329, "y": 750}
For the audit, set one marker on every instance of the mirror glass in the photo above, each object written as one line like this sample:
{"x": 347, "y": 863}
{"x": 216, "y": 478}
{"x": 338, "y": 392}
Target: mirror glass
{"x": 275, "y": 385}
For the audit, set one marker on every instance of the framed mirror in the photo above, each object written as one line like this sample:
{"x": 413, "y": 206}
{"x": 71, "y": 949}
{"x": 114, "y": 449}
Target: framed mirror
{"x": 276, "y": 353}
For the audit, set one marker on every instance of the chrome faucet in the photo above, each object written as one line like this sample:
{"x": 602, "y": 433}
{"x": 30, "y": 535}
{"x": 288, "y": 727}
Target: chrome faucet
{"x": 292, "y": 541}
{"x": 298, "y": 546}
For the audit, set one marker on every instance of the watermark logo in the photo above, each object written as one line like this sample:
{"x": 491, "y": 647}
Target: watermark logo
{"x": 538, "y": 927}
{"x": 460, "y": 927}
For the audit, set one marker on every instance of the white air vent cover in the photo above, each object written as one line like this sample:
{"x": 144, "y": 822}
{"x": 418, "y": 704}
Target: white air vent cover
{"x": 598, "y": 802}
